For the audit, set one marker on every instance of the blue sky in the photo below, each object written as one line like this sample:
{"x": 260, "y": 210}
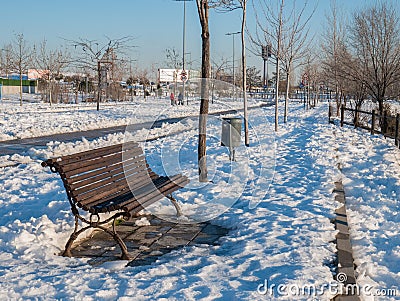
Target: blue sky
{"x": 155, "y": 25}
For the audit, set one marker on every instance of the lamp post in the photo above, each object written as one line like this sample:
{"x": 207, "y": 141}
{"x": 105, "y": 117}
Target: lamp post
{"x": 266, "y": 54}
{"x": 184, "y": 73}
{"x": 233, "y": 56}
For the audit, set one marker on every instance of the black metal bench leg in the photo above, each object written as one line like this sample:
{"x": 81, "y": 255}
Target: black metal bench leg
{"x": 74, "y": 235}
{"x": 122, "y": 245}
{"x": 175, "y": 203}
{"x": 114, "y": 234}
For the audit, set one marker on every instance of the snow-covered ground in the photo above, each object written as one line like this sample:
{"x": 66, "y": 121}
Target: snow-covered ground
{"x": 276, "y": 199}
{"x": 35, "y": 118}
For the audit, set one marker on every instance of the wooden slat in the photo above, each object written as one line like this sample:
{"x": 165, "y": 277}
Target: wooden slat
{"x": 101, "y": 193}
{"x": 143, "y": 205}
{"x": 156, "y": 184}
{"x": 92, "y": 192}
{"x": 150, "y": 190}
{"x": 103, "y": 174}
{"x": 107, "y": 178}
{"x": 110, "y": 176}
{"x": 116, "y": 168}
{"x": 100, "y": 164}
{"x": 87, "y": 155}
{"x": 96, "y": 186}
{"x": 119, "y": 156}
{"x": 151, "y": 194}
{"x": 128, "y": 175}
{"x": 94, "y": 201}
{"x": 110, "y": 189}
{"x": 108, "y": 206}
{"x": 112, "y": 198}
{"x": 154, "y": 195}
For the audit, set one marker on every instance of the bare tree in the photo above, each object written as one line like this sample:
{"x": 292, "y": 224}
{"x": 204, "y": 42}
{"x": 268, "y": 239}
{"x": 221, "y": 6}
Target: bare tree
{"x": 99, "y": 57}
{"x": 217, "y": 71}
{"x": 143, "y": 79}
{"x": 5, "y": 59}
{"x": 49, "y": 64}
{"x": 20, "y": 56}
{"x": 333, "y": 51}
{"x": 269, "y": 31}
{"x": 375, "y": 42}
{"x": 229, "y": 5}
{"x": 285, "y": 32}
{"x": 295, "y": 44}
{"x": 173, "y": 58}
{"x": 203, "y": 11}
{"x": 203, "y": 7}
{"x": 278, "y": 60}
{"x": 253, "y": 78}
{"x": 312, "y": 71}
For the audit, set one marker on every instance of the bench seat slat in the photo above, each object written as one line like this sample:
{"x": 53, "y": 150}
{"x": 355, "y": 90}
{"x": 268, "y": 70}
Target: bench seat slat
{"x": 154, "y": 188}
{"x": 135, "y": 209}
{"x": 105, "y": 178}
{"x": 133, "y": 185}
{"x": 114, "y": 169}
{"x": 135, "y": 194}
{"x": 110, "y": 188}
{"x": 102, "y": 159}
{"x": 87, "y": 155}
{"x": 91, "y": 184}
{"x": 129, "y": 200}
{"x": 153, "y": 196}
{"x": 100, "y": 164}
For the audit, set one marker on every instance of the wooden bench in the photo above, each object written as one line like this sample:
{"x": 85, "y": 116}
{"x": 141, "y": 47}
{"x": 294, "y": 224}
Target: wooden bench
{"x": 114, "y": 179}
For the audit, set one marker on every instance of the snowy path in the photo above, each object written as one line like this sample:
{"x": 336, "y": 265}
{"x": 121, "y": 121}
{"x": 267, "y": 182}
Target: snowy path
{"x": 285, "y": 239}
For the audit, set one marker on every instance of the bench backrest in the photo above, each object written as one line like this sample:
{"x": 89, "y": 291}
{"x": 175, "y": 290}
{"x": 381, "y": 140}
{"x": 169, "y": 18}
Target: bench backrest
{"x": 100, "y": 175}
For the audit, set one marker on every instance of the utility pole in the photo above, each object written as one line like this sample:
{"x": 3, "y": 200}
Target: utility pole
{"x": 184, "y": 74}
{"x": 265, "y": 54}
{"x": 244, "y": 76}
{"x": 233, "y": 57}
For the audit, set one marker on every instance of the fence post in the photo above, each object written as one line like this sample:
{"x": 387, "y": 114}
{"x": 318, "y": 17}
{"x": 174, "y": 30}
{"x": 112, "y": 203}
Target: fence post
{"x": 396, "y": 133}
{"x": 373, "y": 123}
{"x": 384, "y": 125}
{"x": 342, "y": 115}
{"x": 329, "y": 113}
{"x": 355, "y": 117}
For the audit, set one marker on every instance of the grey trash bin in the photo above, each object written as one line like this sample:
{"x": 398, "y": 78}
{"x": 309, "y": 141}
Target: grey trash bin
{"x": 231, "y": 134}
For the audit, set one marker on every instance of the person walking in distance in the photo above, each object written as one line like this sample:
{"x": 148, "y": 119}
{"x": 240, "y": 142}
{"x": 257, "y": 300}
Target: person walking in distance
{"x": 180, "y": 99}
{"x": 172, "y": 98}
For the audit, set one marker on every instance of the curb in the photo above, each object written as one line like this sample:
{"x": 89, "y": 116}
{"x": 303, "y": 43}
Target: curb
{"x": 345, "y": 253}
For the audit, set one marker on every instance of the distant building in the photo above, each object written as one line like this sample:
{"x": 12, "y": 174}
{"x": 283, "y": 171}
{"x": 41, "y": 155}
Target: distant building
{"x": 38, "y": 74}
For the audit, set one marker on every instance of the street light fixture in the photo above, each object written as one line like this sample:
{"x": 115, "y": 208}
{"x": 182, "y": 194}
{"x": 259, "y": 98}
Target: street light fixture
{"x": 266, "y": 53}
{"x": 233, "y": 56}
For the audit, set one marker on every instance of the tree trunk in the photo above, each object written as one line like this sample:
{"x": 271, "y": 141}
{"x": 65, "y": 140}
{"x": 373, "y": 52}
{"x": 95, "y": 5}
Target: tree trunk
{"x": 20, "y": 88}
{"x": 98, "y": 86}
{"x": 202, "y": 6}
{"x": 287, "y": 96}
{"x": 278, "y": 53}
